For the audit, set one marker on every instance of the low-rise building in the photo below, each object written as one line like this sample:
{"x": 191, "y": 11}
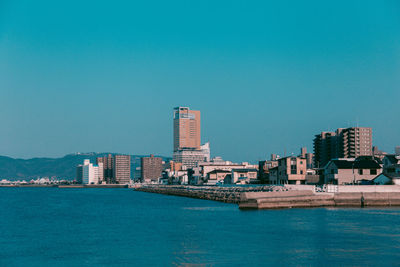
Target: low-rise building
{"x": 291, "y": 170}
{"x": 391, "y": 165}
{"x": 264, "y": 170}
{"x": 313, "y": 177}
{"x": 351, "y": 171}
{"x": 217, "y": 176}
{"x": 273, "y": 176}
{"x": 206, "y": 167}
{"x": 384, "y": 179}
{"x": 244, "y": 176}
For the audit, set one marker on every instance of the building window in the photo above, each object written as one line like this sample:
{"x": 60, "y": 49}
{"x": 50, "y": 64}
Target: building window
{"x": 360, "y": 171}
{"x": 373, "y": 171}
{"x": 293, "y": 172}
{"x": 301, "y": 172}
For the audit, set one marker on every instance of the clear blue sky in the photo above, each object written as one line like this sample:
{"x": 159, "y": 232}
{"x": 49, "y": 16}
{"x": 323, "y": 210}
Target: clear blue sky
{"x": 266, "y": 75}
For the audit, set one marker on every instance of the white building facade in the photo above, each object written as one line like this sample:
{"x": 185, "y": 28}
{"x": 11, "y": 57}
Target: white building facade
{"x": 191, "y": 157}
{"x": 91, "y": 174}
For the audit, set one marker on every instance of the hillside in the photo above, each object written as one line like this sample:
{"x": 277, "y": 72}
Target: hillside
{"x": 63, "y": 168}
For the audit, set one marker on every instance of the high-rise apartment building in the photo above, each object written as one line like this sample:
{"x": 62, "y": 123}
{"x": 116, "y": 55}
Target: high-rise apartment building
{"x": 116, "y": 169}
{"x": 152, "y": 168}
{"x": 344, "y": 143}
{"x": 122, "y": 169}
{"x": 326, "y": 147}
{"x": 356, "y": 141}
{"x": 79, "y": 173}
{"x": 186, "y": 128}
{"x": 108, "y": 163}
{"x": 87, "y": 173}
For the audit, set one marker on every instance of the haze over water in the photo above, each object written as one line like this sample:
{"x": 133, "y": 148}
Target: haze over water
{"x": 113, "y": 227}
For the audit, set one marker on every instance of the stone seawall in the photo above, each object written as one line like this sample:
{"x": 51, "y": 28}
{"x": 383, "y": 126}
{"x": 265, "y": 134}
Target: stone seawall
{"x": 223, "y": 194}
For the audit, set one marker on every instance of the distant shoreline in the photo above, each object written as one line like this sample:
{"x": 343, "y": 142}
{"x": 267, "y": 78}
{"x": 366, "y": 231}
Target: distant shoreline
{"x": 70, "y": 186}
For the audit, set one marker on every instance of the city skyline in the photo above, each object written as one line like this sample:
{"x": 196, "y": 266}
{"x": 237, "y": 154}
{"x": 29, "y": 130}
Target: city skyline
{"x": 108, "y": 85}
{"x": 199, "y": 133}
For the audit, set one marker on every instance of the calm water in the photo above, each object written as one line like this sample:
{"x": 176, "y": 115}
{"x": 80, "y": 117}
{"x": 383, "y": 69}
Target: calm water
{"x": 103, "y": 227}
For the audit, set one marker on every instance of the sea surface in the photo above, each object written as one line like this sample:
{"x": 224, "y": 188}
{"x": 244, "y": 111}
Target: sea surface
{"x": 122, "y": 227}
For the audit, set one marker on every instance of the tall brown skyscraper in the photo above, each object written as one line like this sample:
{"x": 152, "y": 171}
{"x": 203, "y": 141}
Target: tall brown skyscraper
{"x": 186, "y": 128}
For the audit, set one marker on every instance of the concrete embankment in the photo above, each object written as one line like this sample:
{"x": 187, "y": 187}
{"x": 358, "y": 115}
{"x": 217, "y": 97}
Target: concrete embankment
{"x": 288, "y": 199}
{"x": 309, "y": 199}
{"x": 223, "y": 194}
{"x": 278, "y": 197}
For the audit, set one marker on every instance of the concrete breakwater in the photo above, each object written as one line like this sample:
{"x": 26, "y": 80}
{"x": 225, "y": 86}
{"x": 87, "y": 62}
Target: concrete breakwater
{"x": 309, "y": 199}
{"x": 278, "y": 197}
{"x": 223, "y": 194}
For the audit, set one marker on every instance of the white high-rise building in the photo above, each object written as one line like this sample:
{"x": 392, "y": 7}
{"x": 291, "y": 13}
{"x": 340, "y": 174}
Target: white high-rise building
{"x": 89, "y": 173}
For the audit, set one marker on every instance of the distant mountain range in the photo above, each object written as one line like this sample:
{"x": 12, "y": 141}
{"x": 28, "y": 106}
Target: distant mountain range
{"x": 62, "y": 168}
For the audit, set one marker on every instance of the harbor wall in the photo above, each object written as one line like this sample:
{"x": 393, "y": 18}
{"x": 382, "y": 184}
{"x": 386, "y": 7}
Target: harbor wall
{"x": 223, "y": 194}
{"x": 368, "y": 188}
{"x": 350, "y": 188}
{"x": 308, "y": 199}
{"x": 267, "y": 197}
